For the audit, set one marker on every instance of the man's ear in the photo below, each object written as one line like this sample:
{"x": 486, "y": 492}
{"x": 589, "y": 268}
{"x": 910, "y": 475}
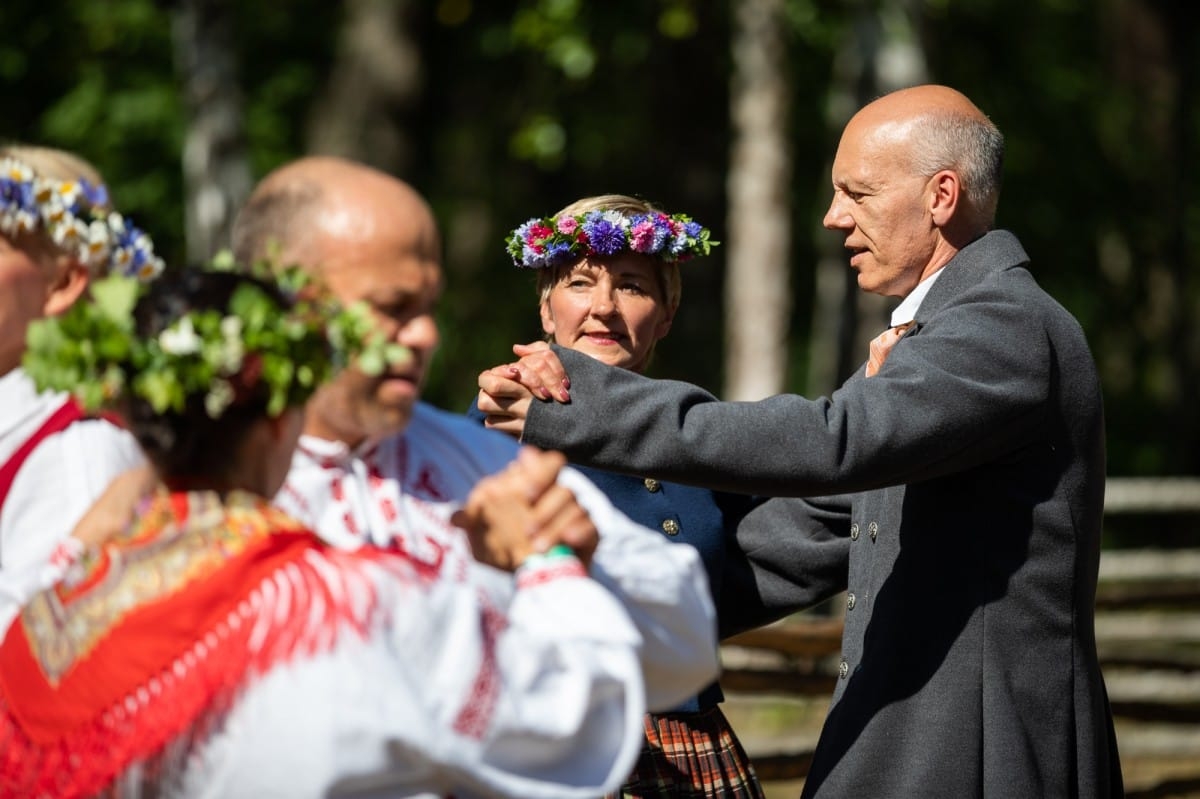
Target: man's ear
{"x": 69, "y": 286}
{"x": 944, "y": 197}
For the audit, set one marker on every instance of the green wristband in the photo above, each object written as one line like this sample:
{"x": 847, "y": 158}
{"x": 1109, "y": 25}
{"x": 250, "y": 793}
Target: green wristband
{"x": 556, "y": 552}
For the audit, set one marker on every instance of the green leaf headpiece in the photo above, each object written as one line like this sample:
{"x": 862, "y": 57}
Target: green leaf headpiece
{"x": 254, "y": 347}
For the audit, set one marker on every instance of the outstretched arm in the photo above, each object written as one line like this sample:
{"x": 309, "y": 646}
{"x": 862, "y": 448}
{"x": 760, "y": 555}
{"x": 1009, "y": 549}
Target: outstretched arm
{"x": 966, "y": 388}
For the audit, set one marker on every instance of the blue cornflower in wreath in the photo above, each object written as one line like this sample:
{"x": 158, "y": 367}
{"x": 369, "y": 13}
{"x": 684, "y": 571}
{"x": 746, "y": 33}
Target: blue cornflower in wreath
{"x": 545, "y": 242}
{"x": 75, "y": 216}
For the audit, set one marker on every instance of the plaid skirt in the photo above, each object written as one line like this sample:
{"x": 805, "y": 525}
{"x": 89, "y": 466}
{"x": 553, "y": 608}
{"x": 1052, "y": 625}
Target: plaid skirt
{"x": 691, "y": 756}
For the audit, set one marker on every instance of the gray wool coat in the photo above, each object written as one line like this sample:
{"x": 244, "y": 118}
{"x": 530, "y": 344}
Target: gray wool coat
{"x": 968, "y": 540}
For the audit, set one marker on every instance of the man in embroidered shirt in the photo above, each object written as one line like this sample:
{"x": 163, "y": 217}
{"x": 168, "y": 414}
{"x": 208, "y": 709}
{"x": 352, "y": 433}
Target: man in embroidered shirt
{"x": 377, "y": 465}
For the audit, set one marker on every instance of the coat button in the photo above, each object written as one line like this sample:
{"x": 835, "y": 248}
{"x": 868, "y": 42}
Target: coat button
{"x": 873, "y": 529}
{"x": 652, "y": 485}
{"x": 854, "y": 532}
{"x": 843, "y": 669}
{"x": 670, "y": 527}
{"x": 850, "y": 600}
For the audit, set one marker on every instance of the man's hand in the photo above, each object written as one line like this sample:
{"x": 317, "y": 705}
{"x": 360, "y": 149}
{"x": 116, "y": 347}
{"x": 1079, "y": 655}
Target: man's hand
{"x": 522, "y": 510}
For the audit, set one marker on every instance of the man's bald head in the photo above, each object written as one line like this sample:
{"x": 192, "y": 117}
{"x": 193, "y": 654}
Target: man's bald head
{"x": 370, "y": 238}
{"x": 940, "y": 128}
{"x": 303, "y": 212}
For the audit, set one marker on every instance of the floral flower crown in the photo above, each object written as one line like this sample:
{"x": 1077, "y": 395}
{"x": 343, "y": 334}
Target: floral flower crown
{"x": 72, "y": 213}
{"x": 94, "y": 352}
{"x": 550, "y": 241}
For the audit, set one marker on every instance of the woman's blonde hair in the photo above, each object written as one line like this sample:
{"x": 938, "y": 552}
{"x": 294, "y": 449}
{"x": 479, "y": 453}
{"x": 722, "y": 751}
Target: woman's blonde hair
{"x": 50, "y": 162}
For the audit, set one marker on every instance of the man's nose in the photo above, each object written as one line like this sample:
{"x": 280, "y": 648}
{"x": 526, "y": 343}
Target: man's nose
{"x": 836, "y": 218}
{"x": 420, "y": 332}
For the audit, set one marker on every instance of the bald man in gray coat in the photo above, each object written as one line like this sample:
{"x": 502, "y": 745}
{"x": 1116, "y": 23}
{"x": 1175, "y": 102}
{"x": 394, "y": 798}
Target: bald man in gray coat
{"x": 973, "y": 441}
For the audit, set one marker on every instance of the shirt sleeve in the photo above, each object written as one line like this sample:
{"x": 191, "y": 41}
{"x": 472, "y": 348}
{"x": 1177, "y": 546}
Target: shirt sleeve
{"x": 451, "y": 697}
{"x": 664, "y": 589}
{"x": 56, "y": 484}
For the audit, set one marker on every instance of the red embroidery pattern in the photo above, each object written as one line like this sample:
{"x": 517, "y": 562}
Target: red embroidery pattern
{"x": 429, "y": 565}
{"x": 476, "y": 714}
{"x": 426, "y": 486}
{"x": 566, "y": 568}
{"x": 298, "y": 498}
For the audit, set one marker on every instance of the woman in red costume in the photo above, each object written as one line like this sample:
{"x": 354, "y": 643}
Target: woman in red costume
{"x": 218, "y": 648}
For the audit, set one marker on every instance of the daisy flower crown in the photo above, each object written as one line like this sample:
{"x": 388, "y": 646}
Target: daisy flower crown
{"x": 552, "y": 241}
{"x": 73, "y": 215}
{"x": 254, "y": 347}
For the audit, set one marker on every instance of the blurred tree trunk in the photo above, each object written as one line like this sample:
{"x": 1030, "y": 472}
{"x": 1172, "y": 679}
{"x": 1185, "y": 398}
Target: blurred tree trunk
{"x": 376, "y": 77}
{"x": 880, "y": 53}
{"x": 216, "y": 170}
{"x": 757, "y": 294}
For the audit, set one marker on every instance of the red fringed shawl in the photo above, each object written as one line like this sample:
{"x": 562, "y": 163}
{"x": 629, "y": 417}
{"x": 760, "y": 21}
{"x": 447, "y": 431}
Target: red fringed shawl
{"x": 152, "y": 636}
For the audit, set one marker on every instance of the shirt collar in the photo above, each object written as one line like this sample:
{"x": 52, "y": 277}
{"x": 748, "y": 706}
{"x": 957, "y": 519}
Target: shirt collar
{"x": 329, "y": 453}
{"x": 906, "y": 311}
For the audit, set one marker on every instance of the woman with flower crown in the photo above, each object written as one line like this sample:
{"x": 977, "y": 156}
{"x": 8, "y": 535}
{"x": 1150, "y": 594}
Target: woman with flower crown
{"x": 608, "y": 281}
{"x": 58, "y": 232}
{"x": 216, "y": 647}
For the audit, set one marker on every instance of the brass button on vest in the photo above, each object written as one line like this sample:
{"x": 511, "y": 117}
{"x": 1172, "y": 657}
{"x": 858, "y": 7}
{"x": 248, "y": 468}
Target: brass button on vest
{"x": 652, "y": 485}
{"x": 670, "y": 527}
{"x": 854, "y": 532}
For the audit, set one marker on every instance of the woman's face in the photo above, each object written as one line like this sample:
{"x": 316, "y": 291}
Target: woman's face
{"x": 24, "y": 283}
{"x": 612, "y": 309}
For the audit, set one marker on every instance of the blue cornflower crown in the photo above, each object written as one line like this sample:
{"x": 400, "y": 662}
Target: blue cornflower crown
{"x": 549, "y": 241}
{"x": 73, "y": 216}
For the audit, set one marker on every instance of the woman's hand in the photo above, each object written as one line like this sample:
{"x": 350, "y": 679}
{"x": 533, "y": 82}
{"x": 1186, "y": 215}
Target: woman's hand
{"x": 540, "y": 371}
{"x": 504, "y": 400}
{"x": 506, "y": 391}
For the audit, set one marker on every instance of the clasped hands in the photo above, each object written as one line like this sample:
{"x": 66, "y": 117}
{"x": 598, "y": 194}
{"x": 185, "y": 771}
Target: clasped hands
{"x": 523, "y": 510}
{"x": 506, "y": 391}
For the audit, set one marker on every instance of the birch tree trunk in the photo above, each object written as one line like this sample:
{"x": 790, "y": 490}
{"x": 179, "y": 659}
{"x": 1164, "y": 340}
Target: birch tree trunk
{"x": 757, "y": 293}
{"x": 216, "y": 169}
{"x": 881, "y": 53}
{"x": 377, "y": 75}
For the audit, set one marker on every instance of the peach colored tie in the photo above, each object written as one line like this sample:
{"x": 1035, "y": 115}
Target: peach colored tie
{"x": 882, "y": 344}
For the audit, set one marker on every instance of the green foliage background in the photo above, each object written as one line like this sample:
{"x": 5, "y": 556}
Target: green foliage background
{"x": 526, "y": 106}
